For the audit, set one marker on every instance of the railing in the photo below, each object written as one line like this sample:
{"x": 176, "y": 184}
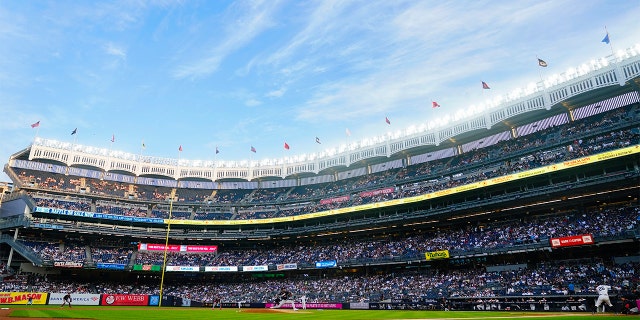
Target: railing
{"x": 22, "y": 250}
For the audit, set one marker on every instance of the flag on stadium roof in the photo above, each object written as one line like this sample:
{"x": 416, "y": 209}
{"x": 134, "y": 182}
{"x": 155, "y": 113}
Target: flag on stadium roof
{"x": 253, "y": 149}
{"x": 542, "y": 63}
{"x": 286, "y": 146}
{"x": 386, "y": 119}
{"x": 217, "y": 150}
{"x": 485, "y": 85}
{"x": 113, "y": 138}
{"x": 318, "y": 140}
{"x": 348, "y": 132}
{"x": 35, "y": 125}
{"x": 434, "y": 104}
{"x": 180, "y": 148}
{"x": 606, "y": 38}
{"x": 74, "y": 131}
{"x": 143, "y": 145}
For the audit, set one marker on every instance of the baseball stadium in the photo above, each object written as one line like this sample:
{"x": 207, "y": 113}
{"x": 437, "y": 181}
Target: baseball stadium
{"x": 520, "y": 211}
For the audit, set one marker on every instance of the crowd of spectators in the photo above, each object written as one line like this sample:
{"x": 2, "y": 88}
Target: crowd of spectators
{"x": 111, "y": 255}
{"x": 554, "y": 144}
{"x": 599, "y": 222}
{"x": 563, "y": 278}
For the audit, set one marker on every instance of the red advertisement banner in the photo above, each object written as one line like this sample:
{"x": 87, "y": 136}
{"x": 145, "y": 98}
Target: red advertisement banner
{"x": 571, "y": 241}
{"x": 125, "y": 300}
{"x": 334, "y": 200}
{"x": 176, "y": 247}
{"x": 376, "y": 192}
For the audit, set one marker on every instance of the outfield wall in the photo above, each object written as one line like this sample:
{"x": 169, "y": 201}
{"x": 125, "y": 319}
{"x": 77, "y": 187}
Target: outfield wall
{"x": 569, "y": 303}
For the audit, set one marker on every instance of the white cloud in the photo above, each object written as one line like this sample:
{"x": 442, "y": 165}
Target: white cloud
{"x": 252, "y": 103}
{"x": 115, "y": 50}
{"x": 276, "y": 93}
{"x": 250, "y": 21}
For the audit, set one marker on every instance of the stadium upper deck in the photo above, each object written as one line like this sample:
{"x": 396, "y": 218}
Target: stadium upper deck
{"x": 605, "y": 83}
{"x": 545, "y": 143}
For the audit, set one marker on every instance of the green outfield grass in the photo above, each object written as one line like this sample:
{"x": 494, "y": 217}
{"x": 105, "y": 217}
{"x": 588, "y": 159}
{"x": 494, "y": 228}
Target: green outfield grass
{"x": 155, "y": 313}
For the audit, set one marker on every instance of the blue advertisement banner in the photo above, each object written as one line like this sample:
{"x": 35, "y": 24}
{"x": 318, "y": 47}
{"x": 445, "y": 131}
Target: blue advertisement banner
{"x": 84, "y": 214}
{"x": 326, "y": 264}
{"x": 112, "y": 266}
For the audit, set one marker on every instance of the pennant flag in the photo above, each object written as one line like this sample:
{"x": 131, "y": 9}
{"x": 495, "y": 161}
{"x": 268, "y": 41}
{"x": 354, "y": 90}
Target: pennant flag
{"x": 318, "y": 140}
{"x": 434, "y": 104}
{"x": 180, "y": 148}
{"x": 35, "y": 125}
{"x": 542, "y": 63}
{"x": 387, "y": 120}
{"x": 253, "y": 149}
{"x": 113, "y": 138}
{"x": 74, "y": 131}
{"x": 143, "y": 145}
{"x": 606, "y": 38}
{"x": 348, "y": 132}
{"x": 217, "y": 151}
{"x": 485, "y": 85}
{"x": 286, "y": 146}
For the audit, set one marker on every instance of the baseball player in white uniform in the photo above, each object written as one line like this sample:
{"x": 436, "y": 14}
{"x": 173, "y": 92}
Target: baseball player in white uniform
{"x": 603, "y": 297}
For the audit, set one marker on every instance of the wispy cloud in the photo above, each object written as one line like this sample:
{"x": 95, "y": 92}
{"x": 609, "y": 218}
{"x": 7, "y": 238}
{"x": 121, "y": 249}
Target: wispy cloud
{"x": 245, "y": 22}
{"x": 276, "y": 93}
{"x": 115, "y": 50}
{"x": 252, "y": 102}
{"x": 412, "y": 56}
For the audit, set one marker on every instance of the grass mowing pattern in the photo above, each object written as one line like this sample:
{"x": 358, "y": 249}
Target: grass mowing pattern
{"x": 166, "y": 313}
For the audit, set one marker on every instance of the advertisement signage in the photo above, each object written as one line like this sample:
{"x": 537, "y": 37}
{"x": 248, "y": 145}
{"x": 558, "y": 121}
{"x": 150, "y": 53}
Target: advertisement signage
{"x": 571, "y": 241}
{"x": 221, "y": 269}
{"x": 23, "y": 297}
{"x": 359, "y": 305}
{"x": 366, "y": 194}
{"x": 125, "y": 300}
{"x": 112, "y": 266}
{"x": 309, "y": 305}
{"x": 68, "y": 264}
{"x": 432, "y": 255}
{"x": 183, "y": 268}
{"x": 327, "y": 264}
{"x": 287, "y": 266}
{"x": 77, "y": 299}
{"x": 176, "y": 247}
{"x": 147, "y": 267}
{"x": 255, "y": 268}
{"x": 84, "y": 214}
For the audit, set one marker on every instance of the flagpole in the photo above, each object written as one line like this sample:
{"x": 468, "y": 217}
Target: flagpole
{"x": 348, "y": 134}
{"x": 113, "y": 139}
{"x": 539, "y": 71}
{"x": 610, "y": 44}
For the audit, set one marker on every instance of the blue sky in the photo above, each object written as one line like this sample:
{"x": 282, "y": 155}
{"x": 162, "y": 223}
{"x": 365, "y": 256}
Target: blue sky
{"x": 236, "y": 74}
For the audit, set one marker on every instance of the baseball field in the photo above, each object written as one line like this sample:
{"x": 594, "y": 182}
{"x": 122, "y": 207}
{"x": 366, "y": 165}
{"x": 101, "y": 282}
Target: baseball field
{"x": 162, "y": 313}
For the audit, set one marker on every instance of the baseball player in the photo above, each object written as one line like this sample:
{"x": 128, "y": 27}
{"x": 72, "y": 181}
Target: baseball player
{"x": 283, "y": 297}
{"x": 603, "y": 297}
